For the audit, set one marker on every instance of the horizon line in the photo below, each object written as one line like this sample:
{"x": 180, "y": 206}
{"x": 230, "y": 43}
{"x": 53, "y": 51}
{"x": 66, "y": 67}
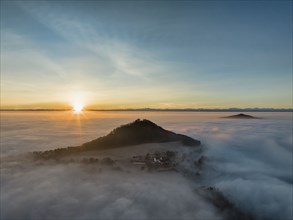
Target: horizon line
{"x": 255, "y": 109}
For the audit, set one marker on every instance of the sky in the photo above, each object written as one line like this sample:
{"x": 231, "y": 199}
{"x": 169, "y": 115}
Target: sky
{"x": 139, "y": 54}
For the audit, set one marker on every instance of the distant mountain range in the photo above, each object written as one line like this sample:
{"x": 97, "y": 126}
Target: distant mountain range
{"x": 171, "y": 109}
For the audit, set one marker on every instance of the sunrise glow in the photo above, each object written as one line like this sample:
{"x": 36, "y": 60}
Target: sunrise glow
{"x": 77, "y": 107}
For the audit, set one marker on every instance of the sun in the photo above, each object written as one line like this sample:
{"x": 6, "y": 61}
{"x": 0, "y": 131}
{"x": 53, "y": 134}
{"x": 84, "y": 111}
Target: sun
{"x": 77, "y": 107}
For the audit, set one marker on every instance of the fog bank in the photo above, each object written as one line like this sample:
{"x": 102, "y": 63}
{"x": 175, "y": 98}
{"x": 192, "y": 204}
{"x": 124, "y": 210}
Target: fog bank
{"x": 249, "y": 161}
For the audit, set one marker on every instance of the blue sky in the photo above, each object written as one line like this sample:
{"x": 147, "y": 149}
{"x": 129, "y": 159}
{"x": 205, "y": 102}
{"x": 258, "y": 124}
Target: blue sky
{"x": 130, "y": 54}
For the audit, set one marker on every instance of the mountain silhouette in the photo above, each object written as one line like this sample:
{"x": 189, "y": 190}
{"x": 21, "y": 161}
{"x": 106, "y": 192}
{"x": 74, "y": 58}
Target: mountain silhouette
{"x": 135, "y": 133}
{"x": 138, "y": 132}
{"x": 241, "y": 116}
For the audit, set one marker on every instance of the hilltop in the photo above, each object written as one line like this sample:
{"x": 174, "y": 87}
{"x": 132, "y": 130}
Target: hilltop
{"x": 135, "y": 133}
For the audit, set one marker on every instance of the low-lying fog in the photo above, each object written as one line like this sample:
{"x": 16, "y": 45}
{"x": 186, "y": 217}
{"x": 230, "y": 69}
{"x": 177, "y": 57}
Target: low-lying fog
{"x": 249, "y": 161}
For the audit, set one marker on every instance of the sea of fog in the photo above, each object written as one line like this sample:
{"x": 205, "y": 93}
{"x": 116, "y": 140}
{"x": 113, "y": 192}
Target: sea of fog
{"x": 249, "y": 161}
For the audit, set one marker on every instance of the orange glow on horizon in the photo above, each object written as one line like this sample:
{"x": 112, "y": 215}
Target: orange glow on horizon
{"x": 77, "y": 107}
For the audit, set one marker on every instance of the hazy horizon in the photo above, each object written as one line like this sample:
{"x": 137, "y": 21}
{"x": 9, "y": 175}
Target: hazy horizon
{"x": 254, "y": 109}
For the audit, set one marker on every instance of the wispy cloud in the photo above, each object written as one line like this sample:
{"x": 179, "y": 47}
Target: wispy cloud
{"x": 141, "y": 51}
{"x": 124, "y": 58}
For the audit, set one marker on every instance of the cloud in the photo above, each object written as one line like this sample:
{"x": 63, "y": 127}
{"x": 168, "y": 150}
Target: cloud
{"x": 251, "y": 166}
{"x": 126, "y": 59}
{"x": 81, "y": 58}
{"x": 82, "y": 192}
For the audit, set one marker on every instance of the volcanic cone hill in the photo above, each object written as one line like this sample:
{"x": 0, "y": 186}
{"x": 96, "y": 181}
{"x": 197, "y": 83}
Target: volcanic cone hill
{"x": 135, "y": 133}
